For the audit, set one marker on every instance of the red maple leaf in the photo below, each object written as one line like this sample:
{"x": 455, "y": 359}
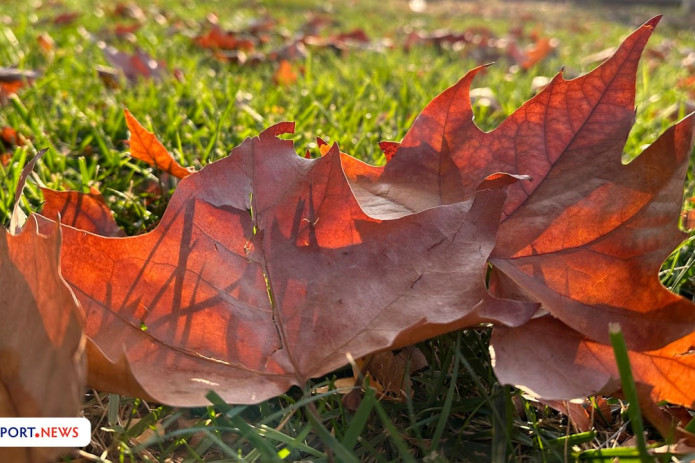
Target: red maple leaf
{"x": 265, "y": 272}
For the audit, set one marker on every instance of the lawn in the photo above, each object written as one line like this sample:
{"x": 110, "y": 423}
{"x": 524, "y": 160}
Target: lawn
{"x": 355, "y": 91}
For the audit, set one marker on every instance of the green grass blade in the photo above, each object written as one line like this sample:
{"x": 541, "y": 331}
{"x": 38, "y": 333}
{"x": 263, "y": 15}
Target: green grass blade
{"x": 621, "y": 454}
{"x": 359, "y": 421}
{"x": 394, "y": 433}
{"x": 292, "y": 443}
{"x": 573, "y": 439}
{"x": 629, "y": 388}
{"x": 501, "y": 423}
{"x": 249, "y": 432}
{"x": 451, "y": 392}
{"x": 342, "y": 453}
{"x": 114, "y": 407}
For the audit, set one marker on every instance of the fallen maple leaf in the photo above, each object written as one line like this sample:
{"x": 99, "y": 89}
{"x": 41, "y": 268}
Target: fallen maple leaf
{"x": 339, "y": 42}
{"x": 256, "y": 279}
{"x": 600, "y": 232}
{"x": 586, "y": 223}
{"x": 268, "y": 269}
{"x": 134, "y": 66}
{"x": 533, "y": 54}
{"x": 483, "y": 45}
{"x": 584, "y": 416}
{"x": 145, "y": 146}
{"x": 41, "y": 375}
{"x": 216, "y": 38}
{"x": 42, "y": 357}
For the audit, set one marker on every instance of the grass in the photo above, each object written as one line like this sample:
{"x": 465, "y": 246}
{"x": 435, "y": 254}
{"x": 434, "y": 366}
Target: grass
{"x": 457, "y": 410}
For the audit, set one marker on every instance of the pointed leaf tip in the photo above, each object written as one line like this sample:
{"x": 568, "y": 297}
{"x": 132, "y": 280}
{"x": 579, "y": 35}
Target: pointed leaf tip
{"x": 18, "y": 217}
{"x": 654, "y": 21}
{"x": 145, "y": 146}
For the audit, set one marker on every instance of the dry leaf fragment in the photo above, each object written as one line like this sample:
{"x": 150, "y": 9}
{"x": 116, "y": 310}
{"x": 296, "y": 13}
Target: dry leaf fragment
{"x": 387, "y": 370}
{"x": 87, "y": 212}
{"x": 389, "y": 149}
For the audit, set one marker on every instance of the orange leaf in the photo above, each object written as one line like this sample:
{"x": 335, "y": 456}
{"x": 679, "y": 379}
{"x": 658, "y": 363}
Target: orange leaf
{"x": 42, "y": 361}
{"x": 9, "y": 137}
{"x": 237, "y": 284}
{"x": 46, "y": 42}
{"x": 12, "y": 79}
{"x": 216, "y": 38}
{"x": 284, "y": 74}
{"x": 87, "y": 212}
{"x": 585, "y": 223}
{"x": 146, "y": 147}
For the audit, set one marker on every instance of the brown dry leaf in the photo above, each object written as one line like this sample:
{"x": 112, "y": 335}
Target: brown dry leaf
{"x": 260, "y": 257}
{"x": 65, "y": 19}
{"x": 42, "y": 357}
{"x": 569, "y": 365}
{"x": 387, "y": 370}
{"x": 216, "y": 38}
{"x": 583, "y": 416}
{"x": 577, "y": 222}
{"x": 135, "y": 66}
